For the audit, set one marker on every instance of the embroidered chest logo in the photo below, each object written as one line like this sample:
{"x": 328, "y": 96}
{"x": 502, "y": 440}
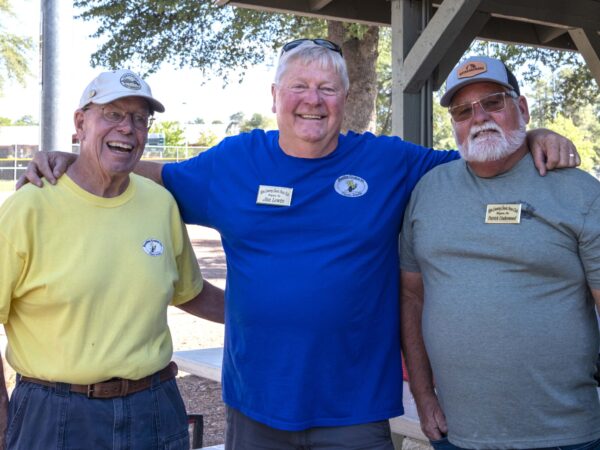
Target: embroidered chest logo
{"x": 351, "y": 186}
{"x": 153, "y": 247}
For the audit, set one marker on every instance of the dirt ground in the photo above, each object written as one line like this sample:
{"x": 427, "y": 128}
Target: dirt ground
{"x": 202, "y": 396}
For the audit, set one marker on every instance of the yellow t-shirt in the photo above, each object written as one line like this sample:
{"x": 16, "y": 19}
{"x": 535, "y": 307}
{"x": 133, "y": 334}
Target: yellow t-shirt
{"x": 85, "y": 281}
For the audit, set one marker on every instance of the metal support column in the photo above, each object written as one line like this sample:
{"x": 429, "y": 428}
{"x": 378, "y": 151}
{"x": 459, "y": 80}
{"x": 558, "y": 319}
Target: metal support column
{"x": 56, "y": 112}
{"x": 411, "y": 112}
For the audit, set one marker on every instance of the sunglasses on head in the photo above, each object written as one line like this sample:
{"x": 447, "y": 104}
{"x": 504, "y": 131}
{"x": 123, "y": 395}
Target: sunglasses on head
{"x": 320, "y": 42}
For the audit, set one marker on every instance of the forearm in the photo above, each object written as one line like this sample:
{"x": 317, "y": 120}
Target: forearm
{"x": 209, "y": 304}
{"x": 413, "y": 345}
{"x": 150, "y": 170}
{"x": 432, "y": 418}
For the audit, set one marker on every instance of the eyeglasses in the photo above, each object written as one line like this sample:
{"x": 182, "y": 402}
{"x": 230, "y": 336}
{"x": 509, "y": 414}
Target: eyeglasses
{"x": 112, "y": 114}
{"x": 489, "y": 103}
{"x": 320, "y": 42}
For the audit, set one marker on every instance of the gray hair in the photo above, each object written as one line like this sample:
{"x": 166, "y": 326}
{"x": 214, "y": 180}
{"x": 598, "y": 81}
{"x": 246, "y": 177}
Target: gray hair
{"x": 310, "y": 53}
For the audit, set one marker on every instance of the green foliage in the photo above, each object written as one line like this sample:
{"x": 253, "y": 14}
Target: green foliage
{"x": 584, "y": 132}
{"x": 257, "y": 121}
{"x": 355, "y": 30}
{"x": 206, "y": 139}
{"x": 443, "y": 138}
{"x": 174, "y": 134}
{"x": 235, "y": 120}
{"x": 562, "y": 78}
{"x": 25, "y": 120}
{"x": 220, "y": 41}
{"x": 14, "y": 50}
{"x": 198, "y": 121}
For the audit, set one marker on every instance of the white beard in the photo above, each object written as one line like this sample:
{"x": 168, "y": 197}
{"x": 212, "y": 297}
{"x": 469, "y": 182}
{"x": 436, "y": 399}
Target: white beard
{"x": 491, "y": 146}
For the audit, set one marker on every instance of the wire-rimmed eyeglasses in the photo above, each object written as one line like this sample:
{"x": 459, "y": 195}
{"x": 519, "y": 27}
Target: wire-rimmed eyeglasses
{"x": 112, "y": 114}
{"x": 490, "y": 103}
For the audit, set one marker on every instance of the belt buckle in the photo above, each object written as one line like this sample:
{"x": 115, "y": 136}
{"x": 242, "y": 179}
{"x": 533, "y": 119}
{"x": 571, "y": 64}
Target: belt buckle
{"x": 90, "y": 391}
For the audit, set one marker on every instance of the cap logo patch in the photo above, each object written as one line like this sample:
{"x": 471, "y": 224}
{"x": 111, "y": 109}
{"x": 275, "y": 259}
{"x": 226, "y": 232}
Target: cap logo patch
{"x": 130, "y": 81}
{"x": 471, "y": 69}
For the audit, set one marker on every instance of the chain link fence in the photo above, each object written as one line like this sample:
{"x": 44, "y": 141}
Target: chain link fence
{"x": 14, "y": 159}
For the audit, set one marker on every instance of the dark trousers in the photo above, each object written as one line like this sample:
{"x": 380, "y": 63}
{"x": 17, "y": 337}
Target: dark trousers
{"x": 42, "y": 418}
{"x": 247, "y": 434}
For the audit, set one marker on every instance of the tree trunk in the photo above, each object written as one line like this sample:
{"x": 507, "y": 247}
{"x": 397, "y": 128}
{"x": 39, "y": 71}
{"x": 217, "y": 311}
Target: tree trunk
{"x": 361, "y": 58}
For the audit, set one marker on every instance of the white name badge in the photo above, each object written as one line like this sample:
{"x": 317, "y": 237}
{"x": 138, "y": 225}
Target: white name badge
{"x": 503, "y": 213}
{"x": 274, "y": 195}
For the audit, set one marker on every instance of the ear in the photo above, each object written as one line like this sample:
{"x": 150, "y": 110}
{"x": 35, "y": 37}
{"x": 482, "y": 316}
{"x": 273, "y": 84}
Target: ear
{"x": 79, "y": 119}
{"x": 274, "y": 95}
{"x": 524, "y": 108}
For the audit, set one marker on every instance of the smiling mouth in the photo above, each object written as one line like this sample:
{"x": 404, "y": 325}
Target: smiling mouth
{"x": 483, "y": 133}
{"x": 120, "y": 147}
{"x": 311, "y": 116}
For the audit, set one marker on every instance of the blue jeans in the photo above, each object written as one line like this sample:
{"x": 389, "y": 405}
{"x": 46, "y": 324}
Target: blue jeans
{"x": 444, "y": 444}
{"x": 42, "y": 418}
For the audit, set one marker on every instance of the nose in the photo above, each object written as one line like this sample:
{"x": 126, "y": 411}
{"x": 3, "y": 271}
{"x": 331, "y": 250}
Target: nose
{"x": 126, "y": 125}
{"x": 479, "y": 114}
{"x": 312, "y": 96}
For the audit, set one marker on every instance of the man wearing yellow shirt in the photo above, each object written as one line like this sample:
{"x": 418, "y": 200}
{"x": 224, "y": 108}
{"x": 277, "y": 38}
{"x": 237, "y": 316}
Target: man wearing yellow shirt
{"x": 89, "y": 266}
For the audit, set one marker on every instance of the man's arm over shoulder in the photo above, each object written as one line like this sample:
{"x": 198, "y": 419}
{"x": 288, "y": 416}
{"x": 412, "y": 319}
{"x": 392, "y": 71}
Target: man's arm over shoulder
{"x": 151, "y": 170}
{"x": 52, "y": 165}
{"x": 433, "y": 421}
{"x": 209, "y": 304}
{"x": 49, "y": 165}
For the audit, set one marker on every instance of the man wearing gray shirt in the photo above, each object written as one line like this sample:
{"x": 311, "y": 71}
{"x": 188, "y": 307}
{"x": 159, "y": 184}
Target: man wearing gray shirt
{"x": 500, "y": 274}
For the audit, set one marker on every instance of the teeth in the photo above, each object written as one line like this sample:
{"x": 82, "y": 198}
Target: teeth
{"x": 479, "y": 133}
{"x": 310, "y": 116}
{"x": 121, "y": 145}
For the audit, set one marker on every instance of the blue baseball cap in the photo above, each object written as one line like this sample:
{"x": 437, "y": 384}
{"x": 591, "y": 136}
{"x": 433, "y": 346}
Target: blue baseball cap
{"x": 477, "y": 69}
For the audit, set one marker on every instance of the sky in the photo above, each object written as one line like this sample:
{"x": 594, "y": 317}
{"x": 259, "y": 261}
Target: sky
{"x": 186, "y": 93}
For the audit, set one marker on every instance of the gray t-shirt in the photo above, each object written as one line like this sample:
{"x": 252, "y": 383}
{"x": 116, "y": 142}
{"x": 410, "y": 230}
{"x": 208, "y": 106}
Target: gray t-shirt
{"x": 508, "y": 321}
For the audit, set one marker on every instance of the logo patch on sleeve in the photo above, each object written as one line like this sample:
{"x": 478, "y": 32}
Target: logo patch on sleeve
{"x": 153, "y": 247}
{"x": 351, "y": 186}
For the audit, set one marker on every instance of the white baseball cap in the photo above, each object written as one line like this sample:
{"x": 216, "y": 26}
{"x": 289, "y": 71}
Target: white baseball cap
{"x": 477, "y": 69}
{"x": 110, "y": 86}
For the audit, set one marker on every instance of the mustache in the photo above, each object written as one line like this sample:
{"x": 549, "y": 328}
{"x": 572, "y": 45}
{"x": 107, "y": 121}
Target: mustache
{"x": 487, "y": 126}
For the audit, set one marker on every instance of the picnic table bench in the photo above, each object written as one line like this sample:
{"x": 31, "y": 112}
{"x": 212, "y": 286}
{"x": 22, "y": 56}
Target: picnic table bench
{"x": 207, "y": 363}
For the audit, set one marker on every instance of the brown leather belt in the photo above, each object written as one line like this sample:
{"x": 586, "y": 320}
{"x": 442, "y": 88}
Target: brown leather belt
{"x": 117, "y": 387}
